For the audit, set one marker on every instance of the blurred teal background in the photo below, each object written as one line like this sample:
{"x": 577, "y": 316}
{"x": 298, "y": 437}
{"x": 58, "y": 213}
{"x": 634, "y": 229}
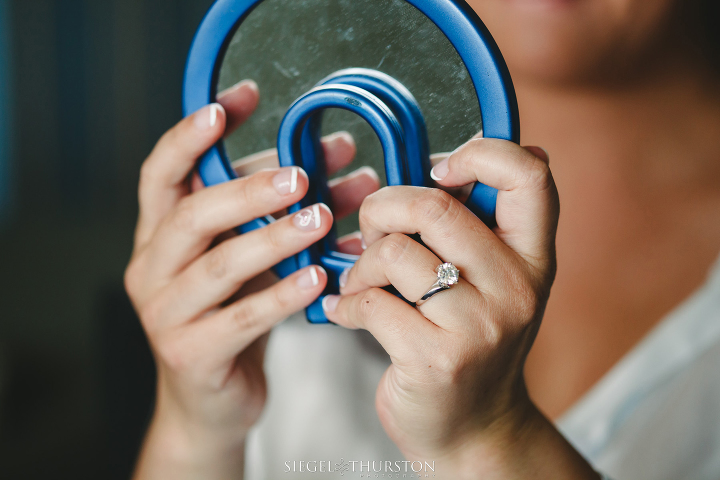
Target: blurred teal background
{"x": 5, "y": 112}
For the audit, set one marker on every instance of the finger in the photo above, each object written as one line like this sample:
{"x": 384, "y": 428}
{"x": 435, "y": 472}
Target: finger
{"x": 222, "y": 271}
{"x": 235, "y": 327}
{"x": 164, "y": 175}
{"x": 349, "y": 191}
{"x": 461, "y": 193}
{"x": 339, "y": 149}
{"x": 539, "y": 152}
{"x": 239, "y": 101}
{"x": 352, "y": 244}
{"x": 200, "y": 217}
{"x": 400, "y": 329}
{"x": 527, "y": 204}
{"x": 402, "y": 262}
{"x": 445, "y": 226}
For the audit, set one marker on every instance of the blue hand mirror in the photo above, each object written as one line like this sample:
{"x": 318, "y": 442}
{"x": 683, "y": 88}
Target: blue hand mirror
{"x": 372, "y": 67}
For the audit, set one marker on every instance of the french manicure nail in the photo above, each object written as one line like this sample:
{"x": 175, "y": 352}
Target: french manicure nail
{"x": 440, "y": 171}
{"x": 345, "y": 136}
{"x": 344, "y": 277}
{"x": 309, "y": 279}
{"x": 308, "y": 219}
{"x": 207, "y": 117}
{"x": 330, "y": 303}
{"x": 286, "y": 181}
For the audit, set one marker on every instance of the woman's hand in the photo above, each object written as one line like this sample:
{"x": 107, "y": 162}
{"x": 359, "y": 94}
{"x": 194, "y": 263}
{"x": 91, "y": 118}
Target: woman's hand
{"x": 203, "y": 294}
{"x": 455, "y": 393}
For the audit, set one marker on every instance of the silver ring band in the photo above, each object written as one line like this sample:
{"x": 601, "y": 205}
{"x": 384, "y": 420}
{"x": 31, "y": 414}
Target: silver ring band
{"x": 448, "y": 275}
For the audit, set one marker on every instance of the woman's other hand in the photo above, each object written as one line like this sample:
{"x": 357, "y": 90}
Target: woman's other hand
{"x": 455, "y": 392}
{"x": 204, "y": 294}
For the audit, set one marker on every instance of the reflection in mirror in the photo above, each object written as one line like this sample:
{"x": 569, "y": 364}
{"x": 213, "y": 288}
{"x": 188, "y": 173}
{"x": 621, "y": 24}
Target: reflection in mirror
{"x": 288, "y": 46}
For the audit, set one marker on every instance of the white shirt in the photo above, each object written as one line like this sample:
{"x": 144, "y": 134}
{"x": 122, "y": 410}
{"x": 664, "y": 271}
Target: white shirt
{"x": 655, "y": 415}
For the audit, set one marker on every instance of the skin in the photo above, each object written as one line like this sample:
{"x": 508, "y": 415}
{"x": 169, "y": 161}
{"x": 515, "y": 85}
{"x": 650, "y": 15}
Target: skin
{"x": 478, "y": 402}
{"x": 640, "y": 188}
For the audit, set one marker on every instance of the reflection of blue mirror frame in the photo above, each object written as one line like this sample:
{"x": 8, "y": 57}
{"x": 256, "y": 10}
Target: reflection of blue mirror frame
{"x": 459, "y": 23}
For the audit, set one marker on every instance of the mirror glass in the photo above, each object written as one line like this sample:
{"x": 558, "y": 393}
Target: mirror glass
{"x": 288, "y": 46}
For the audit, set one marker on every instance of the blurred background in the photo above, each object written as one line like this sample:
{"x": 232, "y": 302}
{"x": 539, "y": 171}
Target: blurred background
{"x": 86, "y": 88}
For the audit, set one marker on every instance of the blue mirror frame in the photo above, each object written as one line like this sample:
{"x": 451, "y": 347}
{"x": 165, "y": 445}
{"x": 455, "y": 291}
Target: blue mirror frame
{"x": 457, "y": 21}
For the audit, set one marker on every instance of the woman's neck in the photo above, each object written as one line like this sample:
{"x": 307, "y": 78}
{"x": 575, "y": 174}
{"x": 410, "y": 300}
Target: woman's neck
{"x": 656, "y": 129}
{"x": 638, "y": 171}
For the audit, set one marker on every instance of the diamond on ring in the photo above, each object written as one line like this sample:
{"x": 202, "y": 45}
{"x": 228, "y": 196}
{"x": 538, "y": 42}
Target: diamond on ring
{"x": 447, "y": 276}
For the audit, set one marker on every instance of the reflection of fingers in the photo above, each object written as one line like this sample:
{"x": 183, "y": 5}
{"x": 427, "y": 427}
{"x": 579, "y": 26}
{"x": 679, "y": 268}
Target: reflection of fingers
{"x": 231, "y": 330}
{"x": 255, "y": 162}
{"x": 219, "y": 273}
{"x": 351, "y": 244}
{"x": 339, "y": 151}
{"x": 239, "y": 102}
{"x": 436, "y": 158}
{"x": 348, "y": 192}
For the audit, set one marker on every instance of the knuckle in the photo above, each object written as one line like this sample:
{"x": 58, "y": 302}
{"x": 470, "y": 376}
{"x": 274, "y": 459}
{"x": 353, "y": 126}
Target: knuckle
{"x": 217, "y": 262}
{"x": 282, "y": 301}
{"x": 492, "y": 332}
{"x": 148, "y": 173}
{"x": 174, "y": 355}
{"x": 247, "y": 190}
{"x": 131, "y": 278}
{"x": 274, "y": 238}
{"x": 244, "y": 316}
{"x": 535, "y": 173}
{"x": 526, "y": 300}
{"x": 185, "y": 217}
{"x": 392, "y": 248}
{"x": 365, "y": 213}
{"x": 433, "y": 206}
{"x": 459, "y": 364}
{"x": 447, "y": 363}
{"x": 150, "y": 314}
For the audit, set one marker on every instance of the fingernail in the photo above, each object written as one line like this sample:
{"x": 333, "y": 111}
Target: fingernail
{"x": 547, "y": 155}
{"x": 309, "y": 279}
{"x": 440, "y": 171}
{"x": 285, "y": 181}
{"x": 345, "y": 136}
{"x": 308, "y": 219}
{"x": 363, "y": 245}
{"x": 207, "y": 117}
{"x": 330, "y": 303}
{"x": 344, "y": 277}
